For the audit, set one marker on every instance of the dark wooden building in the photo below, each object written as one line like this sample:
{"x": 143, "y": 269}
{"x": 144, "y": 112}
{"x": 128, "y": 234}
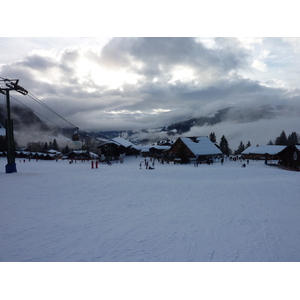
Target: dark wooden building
{"x": 290, "y": 157}
{"x": 80, "y": 155}
{"x": 116, "y": 148}
{"x": 187, "y": 149}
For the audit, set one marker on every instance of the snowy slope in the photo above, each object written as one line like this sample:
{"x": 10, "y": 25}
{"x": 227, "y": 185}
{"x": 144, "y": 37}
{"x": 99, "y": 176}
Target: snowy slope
{"x": 56, "y": 211}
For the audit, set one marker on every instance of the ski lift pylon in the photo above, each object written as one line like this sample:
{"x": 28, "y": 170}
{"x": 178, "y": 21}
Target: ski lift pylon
{"x": 75, "y": 136}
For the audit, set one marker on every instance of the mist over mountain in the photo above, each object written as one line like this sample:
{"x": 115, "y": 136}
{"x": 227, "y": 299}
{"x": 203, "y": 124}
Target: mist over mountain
{"x": 236, "y": 115}
{"x": 255, "y": 124}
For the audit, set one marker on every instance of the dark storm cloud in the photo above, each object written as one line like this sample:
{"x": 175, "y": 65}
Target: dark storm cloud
{"x": 38, "y": 62}
{"x": 153, "y": 57}
{"x": 68, "y": 61}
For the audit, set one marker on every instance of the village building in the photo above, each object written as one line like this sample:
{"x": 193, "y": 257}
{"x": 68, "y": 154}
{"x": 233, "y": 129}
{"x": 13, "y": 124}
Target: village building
{"x": 144, "y": 150}
{"x": 187, "y": 149}
{"x": 45, "y": 155}
{"x": 265, "y": 152}
{"x": 290, "y": 157}
{"x": 116, "y": 149}
{"x": 80, "y": 155}
{"x": 158, "y": 151}
{"x": 155, "y": 151}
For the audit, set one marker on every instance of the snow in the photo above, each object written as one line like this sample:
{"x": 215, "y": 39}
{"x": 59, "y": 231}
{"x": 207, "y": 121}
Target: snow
{"x": 203, "y": 146}
{"x": 122, "y": 142}
{"x": 60, "y": 212}
{"x": 270, "y": 149}
{"x": 56, "y": 211}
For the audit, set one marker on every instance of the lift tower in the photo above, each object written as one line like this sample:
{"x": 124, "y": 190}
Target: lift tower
{"x": 7, "y": 85}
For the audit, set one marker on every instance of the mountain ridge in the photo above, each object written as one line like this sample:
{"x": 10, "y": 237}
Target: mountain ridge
{"x": 25, "y": 119}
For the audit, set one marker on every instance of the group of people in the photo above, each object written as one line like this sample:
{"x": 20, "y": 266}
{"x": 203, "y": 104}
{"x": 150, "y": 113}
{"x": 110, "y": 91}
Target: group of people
{"x": 149, "y": 164}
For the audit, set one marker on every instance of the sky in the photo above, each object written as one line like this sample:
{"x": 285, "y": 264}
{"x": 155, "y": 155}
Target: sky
{"x": 132, "y": 83}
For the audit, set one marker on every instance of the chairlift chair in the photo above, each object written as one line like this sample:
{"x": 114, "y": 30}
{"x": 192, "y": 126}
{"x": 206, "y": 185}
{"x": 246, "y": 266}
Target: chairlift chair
{"x": 75, "y": 136}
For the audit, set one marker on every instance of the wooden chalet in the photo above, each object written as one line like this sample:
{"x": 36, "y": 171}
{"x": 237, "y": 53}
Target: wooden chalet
{"x": 80, "y": 155}
{"x": 157, "y": 151}
{"x": 265, "y": 152}
{"x": 116, "y": 148}
{"x": 290, "y": 157}
{"x": 187, "y": 149}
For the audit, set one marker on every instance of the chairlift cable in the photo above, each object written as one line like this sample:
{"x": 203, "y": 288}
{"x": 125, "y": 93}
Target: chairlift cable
{"x": 33, "y": 97}
{"x": 34, "y": 111}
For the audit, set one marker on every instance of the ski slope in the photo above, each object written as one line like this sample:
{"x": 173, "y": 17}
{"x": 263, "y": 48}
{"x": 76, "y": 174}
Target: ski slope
{"x": 60, "y": 212}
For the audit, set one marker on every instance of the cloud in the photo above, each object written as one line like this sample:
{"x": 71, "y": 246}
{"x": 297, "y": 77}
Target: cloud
{"x": 159, "y": 57}
{"x": 136, "y": 83}
{"x": 259, "y": 65}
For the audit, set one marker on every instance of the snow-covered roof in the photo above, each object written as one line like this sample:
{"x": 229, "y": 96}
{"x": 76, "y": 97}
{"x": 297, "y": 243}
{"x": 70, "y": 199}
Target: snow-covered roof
{"x": 144, "y": 148}
{"x": 137, "y": 147}
{"x": 91, "y": 154}
{"x": 269, "y": 149}
{"x": 52, "y": 151}
{"x": 201, "y": 146}
{"x": 248, "y": 150}
{"x": 158, "y": 147}
{"x": 122, "y": 142}
{"x": 119, "y": 141}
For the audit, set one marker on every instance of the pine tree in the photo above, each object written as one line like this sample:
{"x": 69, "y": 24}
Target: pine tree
{"x": 224, "y": 147}
{"x": 292, "y": 139}
{"x": 241, "y": 148}
{"x": 270, "y": 143}
{"x": 55, "y": 145}
{"x": 212, "y": 137}
{"x": 248, "y": 145}
{"x": 281, "y": 140}
{"x": 66, "y": 150}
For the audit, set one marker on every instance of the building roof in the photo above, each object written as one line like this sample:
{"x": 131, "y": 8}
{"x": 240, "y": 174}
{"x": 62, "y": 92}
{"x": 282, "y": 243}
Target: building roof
{"x": 248, "y": 150}
{"x": 158, "y": 147}
{"x": 269, "y": 149}
{"x": 201, "y": 145}
{"x": 122, "y": 142}
{"x": 119, "y": 141}
{"x": 78, "y": 152}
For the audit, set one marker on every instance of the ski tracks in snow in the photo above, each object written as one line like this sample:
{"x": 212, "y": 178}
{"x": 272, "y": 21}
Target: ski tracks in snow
{"x": 272, "y": 240}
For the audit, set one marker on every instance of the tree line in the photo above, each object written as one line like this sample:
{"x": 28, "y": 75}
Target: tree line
{"x": 91, "y": 145}
{"x": 282, "y": 139}
{"x": 36, "y": 146}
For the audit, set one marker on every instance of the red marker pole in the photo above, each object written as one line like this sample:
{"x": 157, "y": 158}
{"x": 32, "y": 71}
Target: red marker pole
{"x": 92, "y": 164}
